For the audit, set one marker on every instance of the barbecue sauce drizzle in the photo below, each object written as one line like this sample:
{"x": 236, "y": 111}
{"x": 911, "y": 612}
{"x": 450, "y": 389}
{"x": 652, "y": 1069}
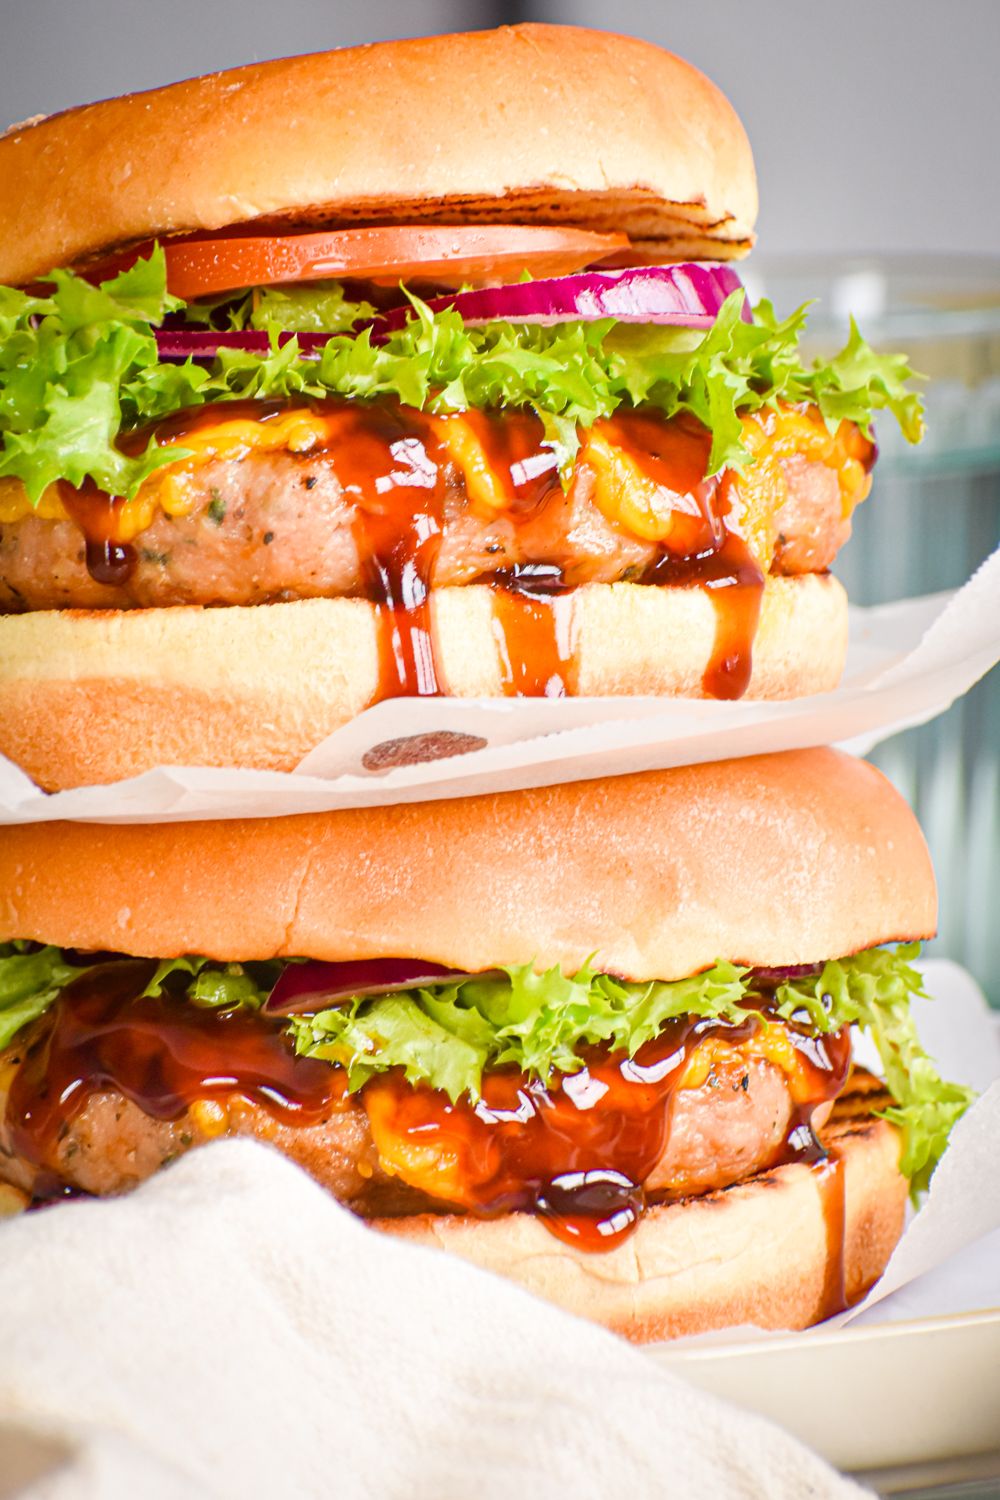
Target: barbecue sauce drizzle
{"x": 395, "y": 464}
{"x": 576, "y": 1151}
{"x": 108, "y": 559}
{"x": 161, "y": 1053}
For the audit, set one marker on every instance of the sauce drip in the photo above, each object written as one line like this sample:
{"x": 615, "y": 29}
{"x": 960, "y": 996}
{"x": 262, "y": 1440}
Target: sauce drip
{"x": 397, "y": 464}
{"x": 109, "y": 560}
{"x": 735, "y": 582}
{"x": 700, "y": 549}
{"x": 400, "y": 465}
{"x": 828, "y": 1171}
{"x": 532, "y": 632}
{"x": 802, "y": 1144}
{"x": 530, "y": 626}
{"x": 161, "y": 1053}
{"x": 392, "y": 470}
{"x": 578, "y": 1150}
{"x": 828, "y": 1174}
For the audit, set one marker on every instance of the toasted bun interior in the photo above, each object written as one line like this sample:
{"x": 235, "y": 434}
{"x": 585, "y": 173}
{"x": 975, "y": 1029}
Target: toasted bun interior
{"x": 763, "y": 1252}
{"x": 529, "y": 124}
{"x": 773, "y": 860}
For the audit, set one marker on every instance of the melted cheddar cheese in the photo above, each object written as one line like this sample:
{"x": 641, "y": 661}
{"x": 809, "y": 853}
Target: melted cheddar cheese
{"x": 451, "y": 1160}
{"x": 625, "y": 491}
{"x": 771, "y": 1044}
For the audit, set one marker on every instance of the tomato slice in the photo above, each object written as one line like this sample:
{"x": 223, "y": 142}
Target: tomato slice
{"x": 451, "y": 256}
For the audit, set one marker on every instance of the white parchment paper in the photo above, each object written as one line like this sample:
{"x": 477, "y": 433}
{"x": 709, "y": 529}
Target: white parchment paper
{"x": 907, "y": 663}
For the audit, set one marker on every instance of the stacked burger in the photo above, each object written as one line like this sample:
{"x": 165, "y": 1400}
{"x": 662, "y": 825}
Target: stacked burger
{"x": 296, "y": 421}
{"x": 263, "y": 464}
{"x": 596, "y": 1036}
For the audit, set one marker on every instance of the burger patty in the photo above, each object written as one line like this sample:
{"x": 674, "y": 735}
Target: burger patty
{"x": 279, "y": 526}
{"x": 731, "y": 1126}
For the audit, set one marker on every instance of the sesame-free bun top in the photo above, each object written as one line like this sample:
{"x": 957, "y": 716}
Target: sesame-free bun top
{"x": 772, "y": 860}
{"x": 529, "y": 124}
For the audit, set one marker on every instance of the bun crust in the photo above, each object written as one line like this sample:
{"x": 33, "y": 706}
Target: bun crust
{"x": 93, "y": 697}
{"x": 529, "y": 124}
{"x": 756, "y": 1253}
{"x": 771, "y": 860}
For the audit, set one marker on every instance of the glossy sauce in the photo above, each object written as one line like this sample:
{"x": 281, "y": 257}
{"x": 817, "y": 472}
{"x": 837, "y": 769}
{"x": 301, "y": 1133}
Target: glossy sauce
{"x": 828, "y": 1174}
{"x": 828, "y": 1171}
{"x": 579, "y": 1150}
{"x": 531, "y": 625}
{"x": 399, "y": 465}
{"x": 162, "y": 1054}
{"x": 701, "y": 548}
{"x": 109, "y": 559}
{"x": 395, "y": 476}
{"x": 532, "y": 631}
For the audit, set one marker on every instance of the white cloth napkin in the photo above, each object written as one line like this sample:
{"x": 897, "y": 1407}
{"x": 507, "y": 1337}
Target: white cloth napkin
{"x": 230, "y": 1331}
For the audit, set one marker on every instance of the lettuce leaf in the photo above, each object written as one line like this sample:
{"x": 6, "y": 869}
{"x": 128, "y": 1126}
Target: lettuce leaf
{"x": 29, "y": 981}
{"x": 80, "y": 364}
{"x": 216, "y": 986}
{"x": 314, "y": 307}
{"x": 319, "y": 307}
{"x": 447, "y": 1036}
{"x": 872, "y": 990}
{"x": 68, "y": 361}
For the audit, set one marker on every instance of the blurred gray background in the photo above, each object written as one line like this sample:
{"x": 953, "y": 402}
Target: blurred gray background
{"x": 876, "y": 129}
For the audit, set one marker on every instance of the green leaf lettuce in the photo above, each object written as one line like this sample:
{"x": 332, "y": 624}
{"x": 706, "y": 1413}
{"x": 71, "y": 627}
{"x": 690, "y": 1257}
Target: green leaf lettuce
{"x": 79, "y": 365}
{"x": 872, "y": 990}
{"x": 448, "y": 1036}
{"x": 30, "y": 979}
{"x": 215, "y": 986}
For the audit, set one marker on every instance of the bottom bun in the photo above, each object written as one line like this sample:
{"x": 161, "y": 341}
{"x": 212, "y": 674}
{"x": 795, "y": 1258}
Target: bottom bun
{"x": 768, "y": 1252}
{"x": 96, "y": 696}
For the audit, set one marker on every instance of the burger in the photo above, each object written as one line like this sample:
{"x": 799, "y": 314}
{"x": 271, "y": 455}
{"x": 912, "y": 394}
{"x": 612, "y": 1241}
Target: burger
{"x": 413, "y": 368}
{"x": 595, "y": 1037}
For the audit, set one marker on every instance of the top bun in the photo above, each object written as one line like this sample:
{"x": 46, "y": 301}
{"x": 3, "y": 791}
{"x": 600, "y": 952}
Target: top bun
{"x": 773, "y": 860}
{"x": 529, "y": 124}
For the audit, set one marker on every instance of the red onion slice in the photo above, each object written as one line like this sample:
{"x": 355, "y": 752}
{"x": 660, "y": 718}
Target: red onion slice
{"x": 315, "y": 986}
{"x": 685, "y": 296}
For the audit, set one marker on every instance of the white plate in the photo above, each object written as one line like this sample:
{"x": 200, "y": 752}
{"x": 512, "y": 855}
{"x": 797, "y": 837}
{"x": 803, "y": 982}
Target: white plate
{"x": 866, "y": 1398}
